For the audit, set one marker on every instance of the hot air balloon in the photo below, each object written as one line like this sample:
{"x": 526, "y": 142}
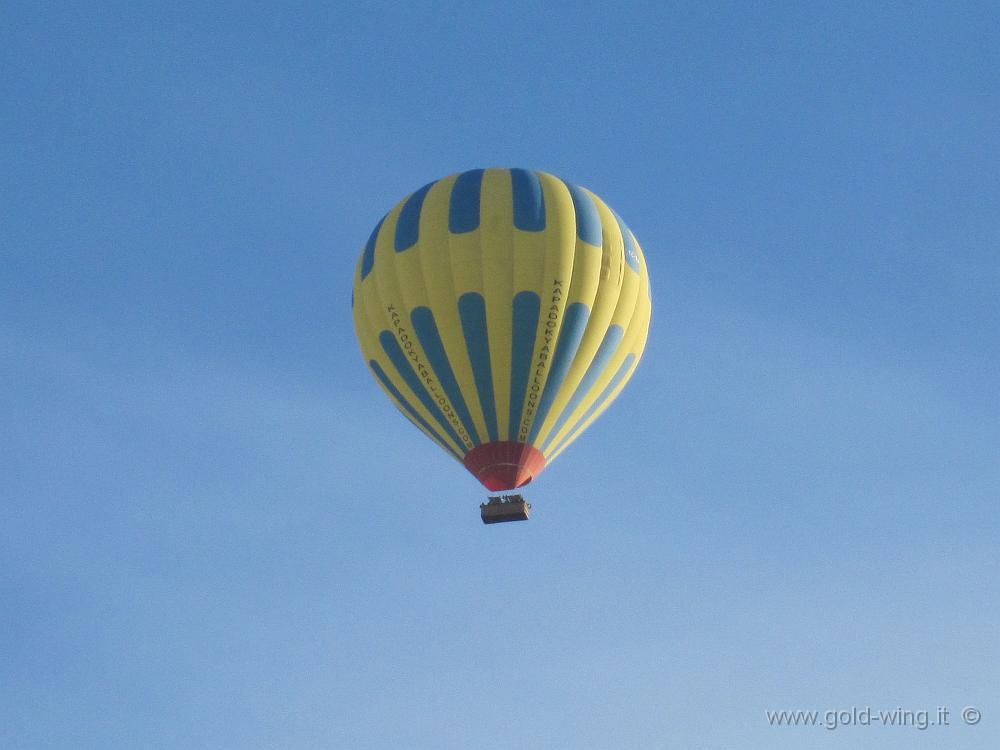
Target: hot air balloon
{"x": 502, "y": 311}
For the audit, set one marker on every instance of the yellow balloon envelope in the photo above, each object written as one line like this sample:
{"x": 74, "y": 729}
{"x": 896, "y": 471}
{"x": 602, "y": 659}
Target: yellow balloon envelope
{"x": 502, "y": 311}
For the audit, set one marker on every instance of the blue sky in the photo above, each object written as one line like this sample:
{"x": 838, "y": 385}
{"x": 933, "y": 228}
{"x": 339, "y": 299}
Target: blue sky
{"x": 215, "y": 532}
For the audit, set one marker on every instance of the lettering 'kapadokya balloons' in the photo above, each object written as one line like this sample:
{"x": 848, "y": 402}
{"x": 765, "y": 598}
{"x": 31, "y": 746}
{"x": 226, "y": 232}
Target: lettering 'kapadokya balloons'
{"x": 502, "y": 311}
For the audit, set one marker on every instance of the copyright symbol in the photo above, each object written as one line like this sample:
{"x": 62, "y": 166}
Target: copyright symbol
{"x": 971, "y": 715}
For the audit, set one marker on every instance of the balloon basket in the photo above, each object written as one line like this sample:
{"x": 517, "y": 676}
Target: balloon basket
{"x": 505, "y": 508}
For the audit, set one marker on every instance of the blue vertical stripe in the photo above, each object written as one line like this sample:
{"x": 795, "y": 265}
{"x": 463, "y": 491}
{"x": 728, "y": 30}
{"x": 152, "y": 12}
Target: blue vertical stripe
{"x": 524, "y": 328}
{"x": 472, "y": 311}
{"x": 399, "y": 361}
{"x": 529, "y": 200}
{"x": 427, "y": 331}
{"x": 463, "y": 210}
{"x": 605, "y": 395}
{"x": 605, "y": 352}
{"x": 408, "y": 226}
{"x": 574, "y": 324}
{"x": 414, "y": 414}
{"x": 588, "y": 221}
{"x": 368, "y": 256}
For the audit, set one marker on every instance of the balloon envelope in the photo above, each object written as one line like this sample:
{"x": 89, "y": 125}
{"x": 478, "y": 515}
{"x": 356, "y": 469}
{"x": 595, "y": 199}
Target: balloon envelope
{"x": 502, "y": 311}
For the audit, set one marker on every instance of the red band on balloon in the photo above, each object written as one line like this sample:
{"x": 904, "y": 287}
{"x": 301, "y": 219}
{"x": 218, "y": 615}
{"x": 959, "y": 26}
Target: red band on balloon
{"x": 504, "y": 465}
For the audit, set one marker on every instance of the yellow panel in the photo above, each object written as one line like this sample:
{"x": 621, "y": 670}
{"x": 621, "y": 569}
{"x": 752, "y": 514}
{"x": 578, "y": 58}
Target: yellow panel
{"x": 633, "y": 343}
{"x": 605, "y": 277}
{"x": 550, "y": 282}
{"x": 451, "y": 266}
{"x": 372, "y": 350}
{"x": 384, "y": 304}
{"x": 497, "y": 242}
{"x": 623, "y": 315}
